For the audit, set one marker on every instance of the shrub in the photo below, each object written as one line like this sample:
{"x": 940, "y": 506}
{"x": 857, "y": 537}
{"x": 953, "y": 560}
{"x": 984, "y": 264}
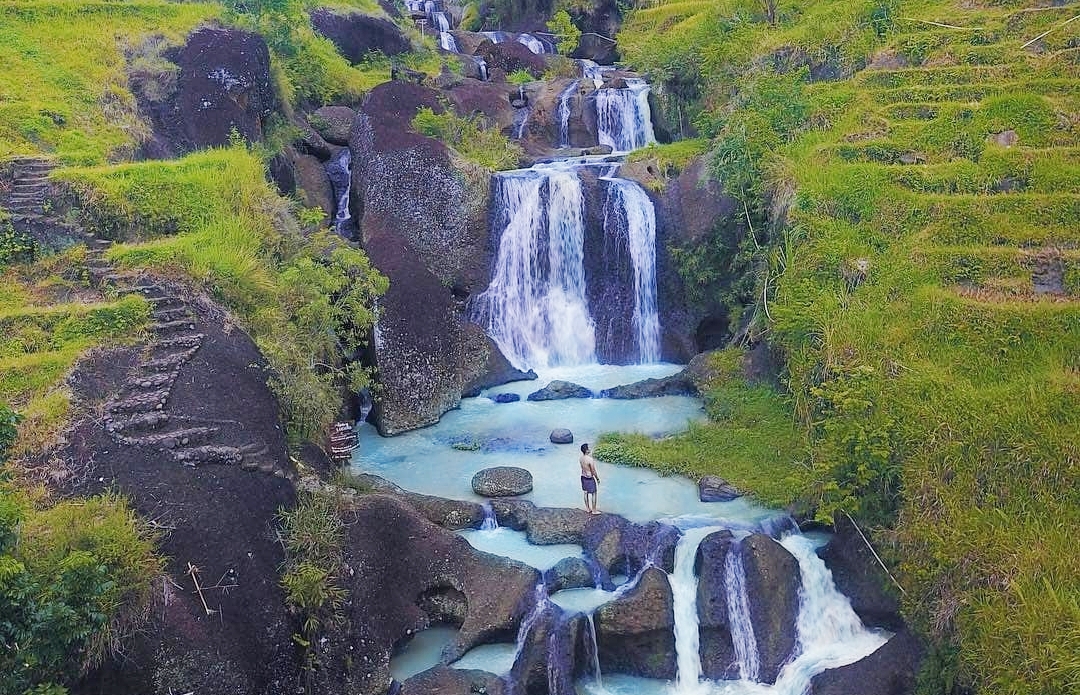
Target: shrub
{"x": 469, "y": 137}
{"x": 564, "y": 30}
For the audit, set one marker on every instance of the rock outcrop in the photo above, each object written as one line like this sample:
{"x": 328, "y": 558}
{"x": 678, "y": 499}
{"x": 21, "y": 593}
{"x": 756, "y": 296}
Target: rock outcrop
{"x": 713, "y": 488}
{"x": 772, "y": 586}
{"x": 420, "y": 230}
{"x": 502, "y": 481}
{"x": 559, "y": 390}
{"x": 561, "y": 435}
{"x": 714, "y": 627}
{"x": 356, "y": 35}
{"x": 891, "y": 670}
{"x": 223, "y": 86}
{"x": 618, "y": 546}
{"x": 635, "y": 633}
{"x": 675, "y": 385}
{"x": 858, "y": 576}
{"x": 398, "y": 557}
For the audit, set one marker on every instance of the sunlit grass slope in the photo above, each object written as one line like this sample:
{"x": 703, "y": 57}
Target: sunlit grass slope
{"x": 926, "y": 294}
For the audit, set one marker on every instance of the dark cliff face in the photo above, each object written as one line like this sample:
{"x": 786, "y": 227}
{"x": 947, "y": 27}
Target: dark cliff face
{"x": 424, "y": 225}
{"x": 223, "y": 86}
{"x": 356, "y": 35}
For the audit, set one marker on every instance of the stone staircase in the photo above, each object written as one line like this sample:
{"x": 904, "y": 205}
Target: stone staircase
{"x": 30, "y": 184}
{"x": 140, "y": 413}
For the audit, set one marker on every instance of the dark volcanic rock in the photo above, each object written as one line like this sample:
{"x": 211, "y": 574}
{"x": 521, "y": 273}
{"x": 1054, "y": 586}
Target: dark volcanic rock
{"x": 356, "y": 35}
{"x": 717, "y": 651}
{"x": 891, "y": 670}
{"x": 506, "y": 398}
{"x": 634, "y": 633}
{"x": 546, "y": 665}
{"x": 333, "y": 123}
{"x": 772, "y": 586}
{"x": 619, "y": 546}
{"x": 451, "y": 514}
{"x": 548, "y": 526}
{"x": 561, "y": 436}
{"x": 513, "y": 513}
{"x": 858, "y": 576}
{"x": 502, "y": 481}
{"x": 425, "y": 228}
{"x": 569, "y": 573}
{"x": 675, "y": 385}
{"x": 558, "y": 390}
{"x": 314, "y": 184}
{"x": 490, "y": 366}
{"x": 223, "y": 84}
{"x": 510, "y": 56}
{"x": 398, "y": 556}
{"x": 713, "y": 488}
{"x": 444, "y": 680}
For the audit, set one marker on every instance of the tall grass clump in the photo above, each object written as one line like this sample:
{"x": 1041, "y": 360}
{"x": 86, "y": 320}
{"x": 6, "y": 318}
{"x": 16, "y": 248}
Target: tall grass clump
{"x": 470, "y": 138}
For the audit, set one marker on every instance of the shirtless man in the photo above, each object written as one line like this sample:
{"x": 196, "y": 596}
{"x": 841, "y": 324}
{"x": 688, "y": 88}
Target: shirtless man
{"x": 589, "y": 479}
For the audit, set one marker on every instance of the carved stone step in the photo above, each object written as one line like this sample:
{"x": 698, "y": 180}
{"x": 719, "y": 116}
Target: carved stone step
{"x": 173, "y": 439}
{"x": 136, "y": 423}
{"x": 180, "y": 313}
{"x": 202, "y": 455}
{"x": 191, "y": 340}
{"x": 150, "y": 381}
{"x": 140, "y": 403}
{"x": 173, "y": 326}
{"x": 169, "y": 362}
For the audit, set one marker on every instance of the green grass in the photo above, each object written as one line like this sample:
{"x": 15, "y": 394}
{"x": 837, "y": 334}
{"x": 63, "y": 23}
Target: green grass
{"x": 213, "y": 219}
{"x": 937, "y": 390}
{"x": 64, "y": 89}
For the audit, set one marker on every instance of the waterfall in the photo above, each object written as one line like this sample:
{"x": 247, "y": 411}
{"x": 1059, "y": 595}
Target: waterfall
{"x": 429, "y": 8}
{"x": 481, "y": 64}
{"x": 684, "y": 585}
{"x": 629, "y": 216}
{"x": 447, "y": 42}
{"x": 532, "y": 43}
{"x": 495, "y": 36}
{"x": 339, "y": 170}
{"x": 563, "y": 112}
{"x": 535, "y": 307}
{"x": 540, "y": 602}
{"x": 590, "y": 70}
{"x": 738, "y": 605}
{"x": 440, "y": 20}
{"x": 593, "y": 651}
{"x": 521, "y": 121}
{"x": 490, "y": 522}
{"x": 623, "y": 119}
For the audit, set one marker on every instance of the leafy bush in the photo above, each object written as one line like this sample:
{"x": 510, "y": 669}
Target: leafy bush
{"x": 77, "y": 581}
{"x": 470, "y": 137}
{"x": 564, "y": 30}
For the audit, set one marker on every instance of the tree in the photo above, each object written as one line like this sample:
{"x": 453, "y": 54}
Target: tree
{"x": 564, "y": 30}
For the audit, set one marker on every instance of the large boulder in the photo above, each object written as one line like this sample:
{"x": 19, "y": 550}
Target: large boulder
{"x": 713, "y": 488}
{"x": 569, "y": 573}
{"x": 487, "y": 366}
{"x": 772, "y": 587}
{"x": 223, "y": 86}
{"x": 858, "y": 575}
{"x": 451, "y": 514}
{"x": 401, "y": 564}
{"x": 561, "y": 435}
{"x": 511, "y": 56}
{"x": 714, "y": 627}
{"x": 634, "y": 634}
{"x": 356, "y": 35}
{"x": 313, "y": 184}
{"x": 558, "y": 390}
{"x": 444, "y": 680}
{"x": 550, "y": 526}
{"x": 619, "y": 546}
{"x": 547, "y": 665}
{"x": 674, "y": 385}
{"x": 333, "y": 123}
{"x": 424, "y": 225}
{"x": 502, "y": 481}
{"x": 891, "y": 670}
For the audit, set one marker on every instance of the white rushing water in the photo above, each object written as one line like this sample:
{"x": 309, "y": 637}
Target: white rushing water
{"x": 623, "y": 118}
{"x": 535, "y": 307}
{"x": 563, "y": 112}
{"x": 447, "y": 42}
{"x": 532, "y": 43}
{"x": 684, "y": 584}
{"x": 629, "y": 215}
{"x": 738, "y": 605}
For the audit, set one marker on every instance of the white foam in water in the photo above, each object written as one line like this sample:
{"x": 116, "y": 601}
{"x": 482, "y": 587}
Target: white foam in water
{"x": 513, "y": 544}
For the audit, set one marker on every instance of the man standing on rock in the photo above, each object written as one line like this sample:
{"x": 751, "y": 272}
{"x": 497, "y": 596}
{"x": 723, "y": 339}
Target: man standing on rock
{"x": 589, "y": 479}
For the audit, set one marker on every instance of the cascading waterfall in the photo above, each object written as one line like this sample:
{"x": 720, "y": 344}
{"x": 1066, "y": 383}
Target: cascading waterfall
{"x": 532, "y": 43}
{"x": 339, "y": 170}
{"x": 563, "y": 111}
{"x": 593, "y": 650}
{"x": 590, "y": 70}
{"x": 441, "y": 21}
{"x": 742, "y": 627}
{"x": 540, "y": 603}
{"x": 447, "y": 42}
{"x": 629, "y": 215}
{"x": 490, "y": 522}
{"x": 623, "y": 118}
{"x": 684, "y": 585}
{"x": 535, "y": 307}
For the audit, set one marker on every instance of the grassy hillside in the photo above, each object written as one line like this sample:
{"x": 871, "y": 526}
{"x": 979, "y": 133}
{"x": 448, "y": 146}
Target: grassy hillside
{"x": 936, "y": 380}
